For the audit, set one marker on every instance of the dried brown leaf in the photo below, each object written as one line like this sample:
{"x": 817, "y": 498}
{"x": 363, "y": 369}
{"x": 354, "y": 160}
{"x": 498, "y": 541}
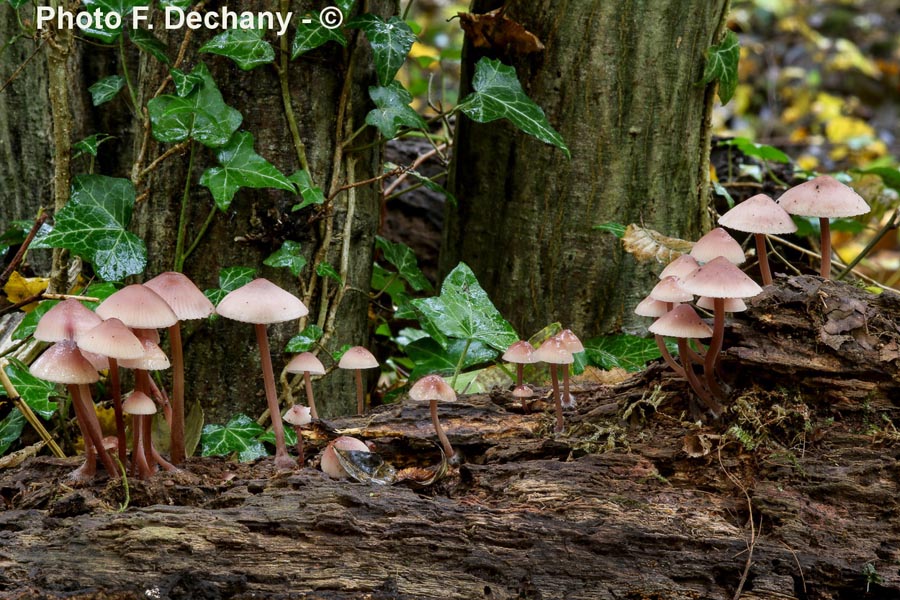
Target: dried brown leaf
{"x": 496, "y": 31}
{"x": 646, "y": 244}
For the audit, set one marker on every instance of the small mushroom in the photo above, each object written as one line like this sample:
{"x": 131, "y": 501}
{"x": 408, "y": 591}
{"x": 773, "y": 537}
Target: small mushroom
{"x": 759, "y": 215}
{"x": 718, "y": 243}
{"x": 307, "y": 364}
{"x": 572, "y": 344}
{"x": 553, "y": 352}
{"x": 356, "y": 359}
{"x": 298, "y": 416}
{"x": 432, "y": 389}
{"x": 330, "y": 464}
{"x": 141, "y": 408}
{"x": 520, "y": 353}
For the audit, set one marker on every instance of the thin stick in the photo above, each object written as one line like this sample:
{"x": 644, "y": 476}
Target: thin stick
{"x": 32, "y": 419}
{"x": 41, "y": 219}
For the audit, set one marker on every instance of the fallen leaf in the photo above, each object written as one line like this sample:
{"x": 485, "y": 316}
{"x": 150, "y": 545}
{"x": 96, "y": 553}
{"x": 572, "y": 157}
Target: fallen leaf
{"x": 647, "y": 244}
{"x": 496, "y": 31}
{"x": 20, "y": 288}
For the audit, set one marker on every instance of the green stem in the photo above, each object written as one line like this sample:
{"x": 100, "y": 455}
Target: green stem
{"x": 408, "y": 6}
{"x": 200, "y": 233}
{"x": 183, "y": 217}
{"x": 131, "y": 92}
{"x": 462, "y": 358}
{"x": 353, "y": 136}
{"x": 890, "y": 225}
{"x": 299, "y": 147}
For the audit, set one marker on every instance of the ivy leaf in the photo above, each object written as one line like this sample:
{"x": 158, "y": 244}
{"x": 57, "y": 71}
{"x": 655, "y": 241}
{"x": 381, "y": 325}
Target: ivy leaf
{"x": 760, "y": 151}
{"x": 310, "y": 36}
{"x": 309, "y": 192}
{"x": 305, "y": 340}
{"x": 499, "y": 95}
{"x": 35, "y": 392}
{"x": 290, "y": 437}
{"x": 122, "y": 7}
{"x": 323, "y": 269}
{"x": 617, "y": 229}
{"x": 92, "y": 225}
{"x": 246, "y": 47}
{"x": 392, "y": 110}
{"x": 464, "y": 311}
{"x": 150, "y": 44}
{"x": 17, "y": 4}
{"x": 185, "y": 82}
{"x": 11, "y": 429}
{"x": 239, "y": 435}
{"x": 230, "y": 279}
{"x": 90, "y": 144}
{"x": 201, "y": 115}
{"x": 287, "y": 256}
{"x": 404, "y": 260}
{"x": 182, "y": 5}
{"x": 106, "y": 89}
{"x": 346, "y": 6}
{"x": 391, "y": 42}
{"x": 390, "y": 283}
{"x": 241, "y": 167}
{"x": 429, "y": 357}
{"x": 627, "y": 352}
{"x": 722, "y": 66}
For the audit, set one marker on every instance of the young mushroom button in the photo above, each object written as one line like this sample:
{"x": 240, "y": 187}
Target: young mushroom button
{"x": 356, "y": 359}
{"x": 433, "y": 389}
{"x": 330, "y": 463}
{"x": 307, "y": 364}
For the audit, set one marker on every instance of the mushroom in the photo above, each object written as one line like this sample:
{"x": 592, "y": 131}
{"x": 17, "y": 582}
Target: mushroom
{"x": 261, "y": 302}
{"x": 681, "y": 267}
{"x": 718, "y": 243}
{"x": 826, "y": 198}
{"x": 670, "y": 291}
{"x": 520, "y": 353}
{"x": 330, "y": 464}
{"x": 307, "y": 364}
{"x": 187, "y": 302}
{"x": 141, "y": 408}
{"x": 553, "y": 352}
{"x": 433, "y": 388}
{"x": 759, "y": 215}
{"x": 298, "y": 416}
{"x": 719, "y": 279}
{"x": 65, "y": 321}
{"x": 572, "y": 344}
{"x": 358, "y": 358}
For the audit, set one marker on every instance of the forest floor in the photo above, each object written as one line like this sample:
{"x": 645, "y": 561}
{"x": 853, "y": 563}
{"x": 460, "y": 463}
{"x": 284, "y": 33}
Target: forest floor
{"x": 793, "y": 493}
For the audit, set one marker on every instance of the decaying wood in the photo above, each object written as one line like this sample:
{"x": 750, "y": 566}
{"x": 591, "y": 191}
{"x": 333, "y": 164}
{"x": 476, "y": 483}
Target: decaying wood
{"x": 631, "y": 501}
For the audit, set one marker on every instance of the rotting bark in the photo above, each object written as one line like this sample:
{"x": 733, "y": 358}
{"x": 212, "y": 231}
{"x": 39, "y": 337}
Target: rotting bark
{"x": 631, "y": 501}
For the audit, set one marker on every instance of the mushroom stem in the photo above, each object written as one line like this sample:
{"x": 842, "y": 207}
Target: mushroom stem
{"x": 147, "y": 441}
{"x": 144, "y": 383}
{"x": 556, "y": 397}
{"x": 661, "y": 344}
{"x": 566, "y": 397}
{"x": 360, "y": 399}
{"x": 520, "y": 373}
{"x": 445, "y": 443}
{"x": 89, "y": 467}
{"x": 176, "y": 443}
{"x": 763, "y": 258}
{"x": 715, "y": 346}
{"x": 137, "y": 438}
{"x": 697, "y": 385}
{"x": 300, "y": 455}
{"x": 92, "y": 425}
{"x": 825, "y": 227}
{"x": 309, "y": 397}
{"x": 117, "y": 408}
{"x": 282, "y": 458}
{"x": 158, "y": 457}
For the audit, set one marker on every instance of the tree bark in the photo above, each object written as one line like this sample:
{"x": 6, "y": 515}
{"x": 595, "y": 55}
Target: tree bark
{"x": 618, "y": 79}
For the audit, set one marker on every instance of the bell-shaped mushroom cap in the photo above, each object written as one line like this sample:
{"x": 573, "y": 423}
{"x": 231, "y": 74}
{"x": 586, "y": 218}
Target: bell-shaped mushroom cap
{"x": 330, "y": 464}
{"x": 553, "y": 352}
{"x": 681, "y": 267}
{"x": 670, "y": 289}
{"x": 520, "y": 352}
{"x": 718, "y": 243}
{"x": 570, "y": 341}
{"x": 153, "y": 358}
{"x": 139, "y": 307}
{"x": 357, "y": 357}
{"x": 261, "y": 302}
{"x": 681, "y": 322}
{"x": 139, "y": 403}
{"x": 432, "y": 387}
{"x": 98, "y": 361}
{"x": 63, "y": 363}
{"x": 183, "y": 297}
{"x": 147, "y": 334}
{"x": 522, "y": 391}
{"x": 650, "y": 307}
{"x": 823, "y": 197}
{"x": 111, "y": 338}
{"x": 305, "y": 362}
{"x": 65, "y": 321}
{"x": 298, "y": 415}
{"x": 721, "y": 279}
{"x": 758, "y": 214}
{"x": 732, "y": 305}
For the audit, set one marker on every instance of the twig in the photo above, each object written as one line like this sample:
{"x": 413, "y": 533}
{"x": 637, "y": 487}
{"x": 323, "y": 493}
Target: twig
{"x": 357, "y": 184}
{"x": 21, "y": 67}
{"x": 416, "y": 164}
{"x": 753, "y": 533}
{"x": 41, "y": 219}
{"x": 176, "y": 149}
{"x": 890, "y": 225}
{"x": 26, "y": 411}
{"x": 836, "y": 262}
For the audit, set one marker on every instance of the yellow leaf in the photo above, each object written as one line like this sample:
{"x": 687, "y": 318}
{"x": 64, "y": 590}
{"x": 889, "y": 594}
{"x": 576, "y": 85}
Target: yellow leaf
{"x": 827, "y": 107}
{"x": 418, "y": 49}
{"x": 107, "y": 418}
{"x": 841, "y": 130}
{"x": 807, "y": 162}
{"x": 849, "y": 57}
{"x": 20, "y": 288}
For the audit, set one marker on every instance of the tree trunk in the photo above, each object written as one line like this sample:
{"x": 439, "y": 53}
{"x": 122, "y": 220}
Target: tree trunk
{"x": 618, "y": 79}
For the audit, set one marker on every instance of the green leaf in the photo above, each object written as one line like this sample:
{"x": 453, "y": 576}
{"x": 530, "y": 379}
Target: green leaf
{"x": 230, "y": 279}
{"x": 617, "y": 229}
{"x": 180, "y": 4}
{"x": 392, "y": 110}
{"x": 811, "y": 226}
{"x": 185, "y": 82}
{"x": 309, "y": 192}
{"x": 90, "y": 144}
{"x": 239, "y": 435}
{"x": 889, "y": 175}
{"x": 759, "y": 151}
{"x": 150, "y": 44}
{"x": 429, "y": 357}
{"x": 624, "y": 351}
{"x": 122, "y": 7}
{"x": 288, "y": 256}
{"x": 324, "y": 269}
{"x": 35, "y": 392}
{"x": 721, "y": 190}
{"x": 92, "y": 225}
{"x": 722, "y": 65}
{"x": 310, "y": 36}
{"x": 464, "y": 311}
{"x": 346, "y": 6}
{"x": 305, "y": 340}
{"x": 202, "y": 115}
{"x": 290, "y": 438}
{"x": 11, "y": 429}
{"x": 246, "y": 47}
{"x": 391, "y": 42}
{"x": 404, "y": 260}
{"x": 499, "y": 95}
{"x": 106, "y": 89}
{"x": 390, "y": 283}
{"x": 241, "y": 167}
{"x": 17, "y": 4}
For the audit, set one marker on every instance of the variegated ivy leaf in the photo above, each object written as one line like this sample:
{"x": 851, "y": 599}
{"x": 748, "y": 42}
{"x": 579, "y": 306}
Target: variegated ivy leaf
{"x": 392, "y": 110}
{"x": 106, "y": 89}
{"x": 391, "y": 42}
{"x": 246, "y": 47}
{"x": 312, "y": 34}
